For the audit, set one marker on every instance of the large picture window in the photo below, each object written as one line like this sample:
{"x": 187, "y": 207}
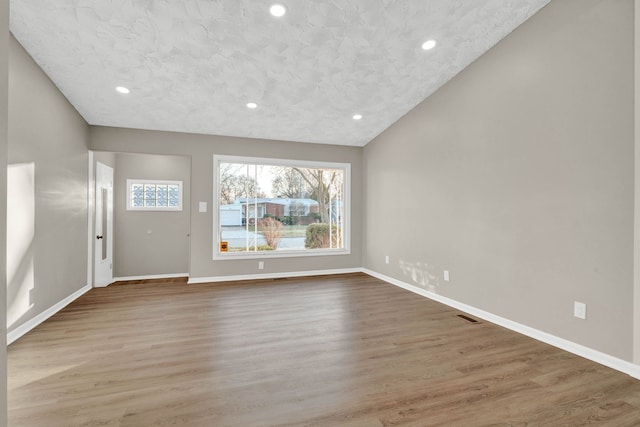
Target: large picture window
{"x": 273, "y": 207}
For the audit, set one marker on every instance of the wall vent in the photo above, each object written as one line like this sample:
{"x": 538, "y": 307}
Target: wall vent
{"x": 467, "y": 318}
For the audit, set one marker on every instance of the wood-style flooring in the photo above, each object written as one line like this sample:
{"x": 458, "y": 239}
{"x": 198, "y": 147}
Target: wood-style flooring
{"x": 344, "y": 350}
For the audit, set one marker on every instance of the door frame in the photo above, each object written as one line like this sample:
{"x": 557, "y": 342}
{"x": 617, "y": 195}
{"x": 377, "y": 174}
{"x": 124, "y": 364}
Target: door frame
{"x": 90, "y": 222}
{"x": 91, "y": 219}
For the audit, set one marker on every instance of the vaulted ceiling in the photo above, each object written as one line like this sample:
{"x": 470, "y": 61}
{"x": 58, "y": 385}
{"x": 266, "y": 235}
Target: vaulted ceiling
{"x": 194, "y": 65}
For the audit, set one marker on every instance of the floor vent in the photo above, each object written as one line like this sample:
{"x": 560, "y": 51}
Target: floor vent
{"x": 467, "y": 318}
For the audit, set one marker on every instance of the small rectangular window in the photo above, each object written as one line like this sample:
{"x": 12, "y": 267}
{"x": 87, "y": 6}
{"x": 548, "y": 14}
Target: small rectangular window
{"x": 152, "y": 195}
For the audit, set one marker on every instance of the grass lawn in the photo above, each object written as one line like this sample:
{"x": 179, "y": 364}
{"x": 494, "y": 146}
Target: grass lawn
{"x": 291, "y": 230}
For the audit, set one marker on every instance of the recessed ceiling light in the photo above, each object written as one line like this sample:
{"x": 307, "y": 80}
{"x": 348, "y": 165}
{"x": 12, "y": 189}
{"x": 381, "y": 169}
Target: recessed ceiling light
{"x": 357, "y": 116}
{"x": 252, "y": 105}
{"x": 123, "y": 90}
{"x": 429, "y": 44}
{"x": 278, "y": 10}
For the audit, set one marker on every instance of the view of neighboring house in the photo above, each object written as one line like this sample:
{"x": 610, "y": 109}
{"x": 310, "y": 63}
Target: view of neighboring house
{"x": 231, "y": 215}
{"x": 236, "y": 214}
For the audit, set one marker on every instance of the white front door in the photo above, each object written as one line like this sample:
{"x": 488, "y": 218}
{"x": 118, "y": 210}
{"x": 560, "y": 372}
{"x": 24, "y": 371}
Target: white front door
{"x": 104, "y": 226}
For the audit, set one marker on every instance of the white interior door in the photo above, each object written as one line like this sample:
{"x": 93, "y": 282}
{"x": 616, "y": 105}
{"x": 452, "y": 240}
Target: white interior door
{"x": 104, "y": 226}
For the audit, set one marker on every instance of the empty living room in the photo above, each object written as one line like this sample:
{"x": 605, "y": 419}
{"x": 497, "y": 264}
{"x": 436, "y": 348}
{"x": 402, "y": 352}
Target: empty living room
{"x": 355, "y": 213}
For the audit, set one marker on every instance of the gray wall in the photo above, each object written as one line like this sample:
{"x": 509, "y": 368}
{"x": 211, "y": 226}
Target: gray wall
{"x": 201, "y": 148}
{"x": 104, "y": 157}
{"x": 518, "y": 177}
{"x": 150, "y": 243}
{"x": 4, "y": 59}
{"x": 46, "y": 131}
{"x": 636, "y": 275}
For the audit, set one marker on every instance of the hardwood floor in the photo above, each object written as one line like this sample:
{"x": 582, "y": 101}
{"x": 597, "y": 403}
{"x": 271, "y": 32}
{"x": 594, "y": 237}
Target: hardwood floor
{"x": 344, "y": 350}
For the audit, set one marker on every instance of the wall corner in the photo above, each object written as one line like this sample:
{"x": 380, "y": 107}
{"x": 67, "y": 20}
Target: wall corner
{"x": 636, "y": 211}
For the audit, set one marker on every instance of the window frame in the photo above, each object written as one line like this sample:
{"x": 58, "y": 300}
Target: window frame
{"x": 265, "y": 161}
{"x": 131, "y": 182}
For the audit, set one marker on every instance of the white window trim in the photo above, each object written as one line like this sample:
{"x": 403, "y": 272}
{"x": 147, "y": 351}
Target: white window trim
{"x": 217, "y": 255}
{"x": 130, "y": 182}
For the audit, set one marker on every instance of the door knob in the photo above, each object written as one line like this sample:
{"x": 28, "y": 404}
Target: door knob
{"x": 98, "y": 237}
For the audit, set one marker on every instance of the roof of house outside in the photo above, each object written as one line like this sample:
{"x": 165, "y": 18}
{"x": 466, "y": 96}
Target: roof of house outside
{"x": 276, "y": 201}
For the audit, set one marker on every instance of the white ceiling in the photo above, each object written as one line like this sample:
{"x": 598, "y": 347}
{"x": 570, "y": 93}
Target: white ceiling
{"x": 192, "y": 65}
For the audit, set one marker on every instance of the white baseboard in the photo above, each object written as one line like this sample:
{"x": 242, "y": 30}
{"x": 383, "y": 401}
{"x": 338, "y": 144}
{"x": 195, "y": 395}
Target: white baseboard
{"x": 578, "y": 349}
{"x": 194, "y": 280}
{"x": 32, "y": 323}
{"x": 150, "y": 277}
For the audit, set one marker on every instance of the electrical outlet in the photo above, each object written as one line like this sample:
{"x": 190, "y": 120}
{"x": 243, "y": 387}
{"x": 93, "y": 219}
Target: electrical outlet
{"x": 446, "y": 275}
{"x": 386, "y": 259}
{"x": 260, "y": 265}
{"x": 580, "y": 310}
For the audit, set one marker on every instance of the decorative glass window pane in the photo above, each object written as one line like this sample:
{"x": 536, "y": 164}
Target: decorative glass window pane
{"x": 137, "y": 195}
{"x": 174, "y": 195}
{"x": 149, "y": 195}
{"x": 161, "y": 191}
{"x": 154, "y": 195}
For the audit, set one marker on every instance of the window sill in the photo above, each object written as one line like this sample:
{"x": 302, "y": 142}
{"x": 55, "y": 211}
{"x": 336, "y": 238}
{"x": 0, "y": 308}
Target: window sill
{"x": 229, "y": 256}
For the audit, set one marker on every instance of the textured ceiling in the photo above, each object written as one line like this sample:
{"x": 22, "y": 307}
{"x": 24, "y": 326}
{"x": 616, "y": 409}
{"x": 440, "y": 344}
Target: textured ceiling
{"x": 192, "y": 65}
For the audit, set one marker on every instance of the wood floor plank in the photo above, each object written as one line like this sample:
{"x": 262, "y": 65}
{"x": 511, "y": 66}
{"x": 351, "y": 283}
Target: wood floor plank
{"x": 346, "y": 350}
